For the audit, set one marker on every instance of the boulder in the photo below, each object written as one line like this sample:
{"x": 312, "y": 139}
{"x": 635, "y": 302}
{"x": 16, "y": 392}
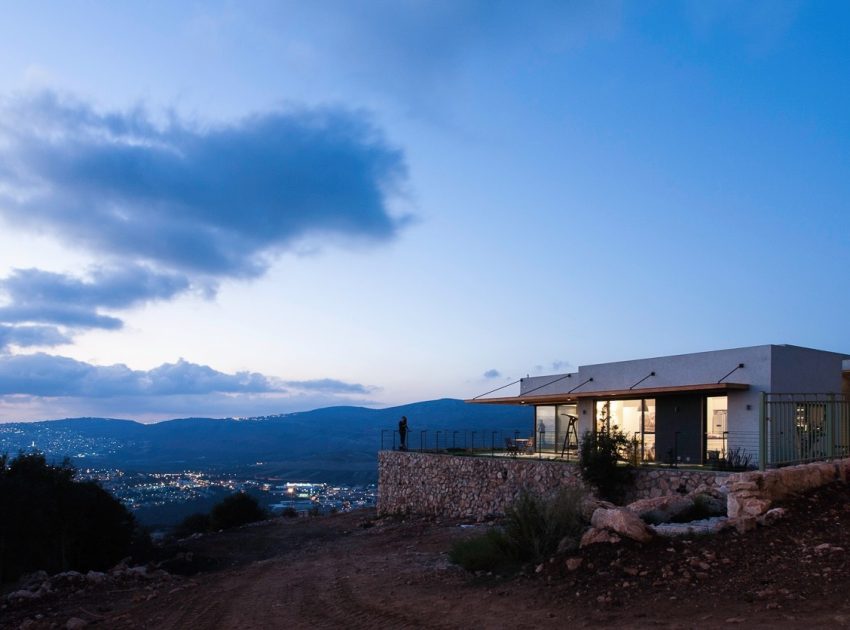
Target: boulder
{"x": 772, "y": 516}
{"x": 743, "y": 524}
{"x": 746, "y": 504}
{"x": 661, "y": 509}
{"x": 595, "y": 536}
{"x": 590, "y": 504}
{"x": 623, "y": 522}
{"x": 702, "y": 527}
{"x": 95, "y": 577}
{"x": 573, "y": 563}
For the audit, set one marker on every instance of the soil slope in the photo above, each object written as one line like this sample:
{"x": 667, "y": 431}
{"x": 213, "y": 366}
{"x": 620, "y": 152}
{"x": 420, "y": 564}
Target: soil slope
{"x": 356, "y": 571}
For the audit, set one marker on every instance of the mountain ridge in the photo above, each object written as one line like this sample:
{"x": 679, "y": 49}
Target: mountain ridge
{"x": 328, "y": 435}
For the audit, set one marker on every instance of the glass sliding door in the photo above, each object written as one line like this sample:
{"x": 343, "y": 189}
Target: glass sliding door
{"x": 567, "y": 437}
{"x": 716, "y": 427}
{"x": 545, "y": 427}
{"x": 635, "y": 418}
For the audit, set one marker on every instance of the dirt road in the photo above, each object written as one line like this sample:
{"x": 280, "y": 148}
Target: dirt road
{"x": 355, "y": 571}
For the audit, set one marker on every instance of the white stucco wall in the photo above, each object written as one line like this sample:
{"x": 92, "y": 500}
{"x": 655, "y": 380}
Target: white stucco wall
{"x": 767, "y": 368}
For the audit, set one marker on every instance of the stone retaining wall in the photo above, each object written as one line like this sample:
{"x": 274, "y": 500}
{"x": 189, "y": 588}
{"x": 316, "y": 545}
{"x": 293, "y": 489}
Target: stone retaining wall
{"x": 462, "y": 487}
{"x": 479, "y": 487}
{"x": 751, "y": 494}
{"x": 659, "y": 482}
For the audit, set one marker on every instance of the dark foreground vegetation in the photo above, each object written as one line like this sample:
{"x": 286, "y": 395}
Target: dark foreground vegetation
{"x": 237, "y": 509}
{"x": 534, "y": 528}
{"x": 51, "y": 522}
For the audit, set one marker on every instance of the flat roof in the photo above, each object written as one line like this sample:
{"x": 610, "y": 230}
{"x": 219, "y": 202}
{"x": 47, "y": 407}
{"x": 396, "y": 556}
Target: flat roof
{"x": 643, "y": 392}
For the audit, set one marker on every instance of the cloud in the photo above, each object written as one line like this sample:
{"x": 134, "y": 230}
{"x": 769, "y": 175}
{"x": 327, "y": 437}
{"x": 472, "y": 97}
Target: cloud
{"x": 47, "y": 375}
{"x": 330, "y": 386}
{"x": 43, "y": 385}
{"x": 492, "y": 374}
{"x": 43, "y": 297}
{"x": 27, "y": 336}
{"x": 214, "y": 200}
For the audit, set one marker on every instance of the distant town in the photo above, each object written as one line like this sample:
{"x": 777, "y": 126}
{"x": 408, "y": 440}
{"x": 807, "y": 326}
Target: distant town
{"x": 164, "y": 497}
{"x": 138, "y": 490}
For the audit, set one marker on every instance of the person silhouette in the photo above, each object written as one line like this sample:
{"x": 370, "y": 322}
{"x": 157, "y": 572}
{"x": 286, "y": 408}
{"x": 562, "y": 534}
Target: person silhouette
{"x": 402, "y": 433}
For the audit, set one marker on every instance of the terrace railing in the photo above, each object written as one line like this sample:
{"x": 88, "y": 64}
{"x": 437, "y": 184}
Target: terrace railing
{"x": 487, "y": 442}
{"x": 799, "y": 428}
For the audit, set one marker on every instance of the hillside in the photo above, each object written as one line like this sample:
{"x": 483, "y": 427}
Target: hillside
{"x": 355, "y": 571}
{"x": 333, "y": 438}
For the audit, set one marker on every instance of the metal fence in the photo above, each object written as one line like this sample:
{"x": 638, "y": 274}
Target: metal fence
{"x": 495, "y": 443}
{"x": 798, "y": 428}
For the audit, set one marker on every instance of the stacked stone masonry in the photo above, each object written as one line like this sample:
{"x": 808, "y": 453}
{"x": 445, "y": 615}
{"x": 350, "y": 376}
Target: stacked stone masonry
{"x": 482, "y": 487}
{"x": 751, "y": 494}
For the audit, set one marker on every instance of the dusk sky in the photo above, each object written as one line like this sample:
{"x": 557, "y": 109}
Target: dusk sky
{"x": 243, "y": 208}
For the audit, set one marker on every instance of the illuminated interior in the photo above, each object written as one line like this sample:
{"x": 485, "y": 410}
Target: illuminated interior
{"x": 716, "y": 426}
{"x": 636, "y": 418}
{"x": 553, "y": 427}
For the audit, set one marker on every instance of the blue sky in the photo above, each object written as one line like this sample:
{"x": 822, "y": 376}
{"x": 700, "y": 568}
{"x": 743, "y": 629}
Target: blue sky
{"x": 239, "y": 208}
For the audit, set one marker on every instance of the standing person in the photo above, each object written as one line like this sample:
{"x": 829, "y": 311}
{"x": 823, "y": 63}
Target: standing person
{"x": 402, "y": 433}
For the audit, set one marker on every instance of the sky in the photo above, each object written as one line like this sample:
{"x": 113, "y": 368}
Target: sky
{"x": 249, "y": 208}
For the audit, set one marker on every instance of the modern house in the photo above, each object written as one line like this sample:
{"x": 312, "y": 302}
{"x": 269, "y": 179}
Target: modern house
{"x": 776, "y": 403}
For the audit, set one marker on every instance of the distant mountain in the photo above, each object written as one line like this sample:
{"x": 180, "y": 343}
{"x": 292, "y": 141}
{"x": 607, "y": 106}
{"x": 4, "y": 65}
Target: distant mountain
{"x": 322, "y": 440}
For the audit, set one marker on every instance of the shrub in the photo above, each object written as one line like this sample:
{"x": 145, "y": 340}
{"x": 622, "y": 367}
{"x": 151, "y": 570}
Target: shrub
{"x": 237, "y": 509}
{"x": 289, "y": 512}
{"x": 488, "y": 552}
{"x": 54, "y": 523}
{"x": 734, "y": 460}
{"x": 534, "y": 528}
{"x": 600, "y": 458}
{"x": 193, "y": 524}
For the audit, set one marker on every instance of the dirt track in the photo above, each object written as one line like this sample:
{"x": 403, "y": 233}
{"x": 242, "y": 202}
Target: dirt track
{"x": 333, "y": 572}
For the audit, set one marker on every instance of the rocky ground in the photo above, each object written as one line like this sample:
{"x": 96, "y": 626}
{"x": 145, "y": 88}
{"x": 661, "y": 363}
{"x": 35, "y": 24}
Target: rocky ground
{"x": 357, "y": 571}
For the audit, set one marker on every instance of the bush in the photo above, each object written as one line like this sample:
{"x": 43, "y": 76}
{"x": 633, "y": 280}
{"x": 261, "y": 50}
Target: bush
{"x": 193, "y": 524}
{"x": 237, "y": 509}
{"x": 51, "y": 522}
{"x": 289, "y": 512}
{"x": 534, "y": 528}
{"x": 735, "y": 460}
{"x": 488, "y": 552}
{"x": 600, "y": 458}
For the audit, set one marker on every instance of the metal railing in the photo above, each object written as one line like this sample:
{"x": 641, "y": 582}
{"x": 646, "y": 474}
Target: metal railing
{"x": 488, "y": 442}
{"x": 799, "y": 428}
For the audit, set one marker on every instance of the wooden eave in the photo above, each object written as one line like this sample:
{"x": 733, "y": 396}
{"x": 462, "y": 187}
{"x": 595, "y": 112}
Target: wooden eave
{"x": 643, "y": 392}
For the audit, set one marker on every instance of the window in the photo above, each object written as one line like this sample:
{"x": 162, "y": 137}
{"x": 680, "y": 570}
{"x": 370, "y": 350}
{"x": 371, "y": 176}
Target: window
{"x": 545, "y": 427}
{"x": 636, "y": 418}
{"x": 716, "y": 427}
{"x": 567, "y": 438}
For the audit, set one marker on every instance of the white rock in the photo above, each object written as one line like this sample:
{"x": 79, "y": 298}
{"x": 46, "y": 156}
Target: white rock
{"x": 623, "y": 522}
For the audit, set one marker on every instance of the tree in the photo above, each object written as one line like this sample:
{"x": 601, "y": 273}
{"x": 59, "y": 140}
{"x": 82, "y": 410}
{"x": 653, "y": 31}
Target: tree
{"x": 602, "y": 463}
{"x": 237, "y": 509}
{"x": 54, "y": 523}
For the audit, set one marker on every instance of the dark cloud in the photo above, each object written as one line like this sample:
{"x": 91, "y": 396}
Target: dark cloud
{"x": 330, "y": 386}
{"x": 46, "y": 375}
{"x": 492, "y": 374}
{"x": 213, "y": 200}
{"x": 41, "y": 297}
{"x": 26, "y": 336}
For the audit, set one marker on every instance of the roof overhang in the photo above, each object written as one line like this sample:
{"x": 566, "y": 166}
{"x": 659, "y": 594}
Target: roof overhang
{"x": 643, "y": 392}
